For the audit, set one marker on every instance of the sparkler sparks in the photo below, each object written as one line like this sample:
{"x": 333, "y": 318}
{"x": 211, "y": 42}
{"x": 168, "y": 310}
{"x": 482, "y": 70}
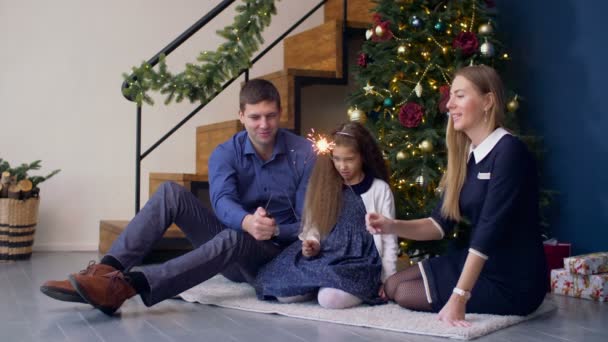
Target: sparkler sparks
{"x": 321, "y": 144}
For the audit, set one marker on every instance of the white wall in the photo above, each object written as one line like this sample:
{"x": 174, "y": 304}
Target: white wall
{"x": 60, "y": 74}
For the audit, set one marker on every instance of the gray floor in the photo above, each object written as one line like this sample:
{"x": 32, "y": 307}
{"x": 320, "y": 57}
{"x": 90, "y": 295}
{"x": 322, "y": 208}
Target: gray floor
{"x": 28, "y": 315}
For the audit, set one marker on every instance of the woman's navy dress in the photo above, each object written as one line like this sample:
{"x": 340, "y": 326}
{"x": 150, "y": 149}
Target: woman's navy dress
{"x": 500, "y": 199}
{"x": 348, "y": 259}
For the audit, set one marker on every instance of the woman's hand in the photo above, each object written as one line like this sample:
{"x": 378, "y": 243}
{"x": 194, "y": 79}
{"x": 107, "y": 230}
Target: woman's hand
{"x": 378, "y": 224}
{"x": 310, "y": 248}
{"x": 453, "y": 312}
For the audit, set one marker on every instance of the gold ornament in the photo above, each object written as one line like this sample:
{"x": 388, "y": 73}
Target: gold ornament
{"x": 513, "y": 105}
{"x": 379, "y": 31}
{"x": 357, "y": 114}
{"x": 401, "y": 50}
{"x": 486, "y": 29}
{"x": 401, "y": 155}
{"x": 426, "y": 146}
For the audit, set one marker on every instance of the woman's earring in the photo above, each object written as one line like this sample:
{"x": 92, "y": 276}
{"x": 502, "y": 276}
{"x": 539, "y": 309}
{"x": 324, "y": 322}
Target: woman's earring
{"x": 485, "y": 116}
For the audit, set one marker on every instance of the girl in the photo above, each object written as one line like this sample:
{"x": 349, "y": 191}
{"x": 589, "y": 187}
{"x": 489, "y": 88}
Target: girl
{"x": 490, "y": 180}
{"x": 337, "y": 259}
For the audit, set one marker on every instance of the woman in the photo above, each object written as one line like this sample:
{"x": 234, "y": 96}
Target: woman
{"x": 491, "y": 180}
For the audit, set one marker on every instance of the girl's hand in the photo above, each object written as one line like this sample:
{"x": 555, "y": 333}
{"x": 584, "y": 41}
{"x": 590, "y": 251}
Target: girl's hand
{"x": 453, "y": 312}
{"x": 381, "y": 293}
{"x": 310, "y": 248}
{"x": 378, "y": 224}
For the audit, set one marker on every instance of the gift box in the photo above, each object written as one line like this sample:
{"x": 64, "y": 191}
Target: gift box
{"x": 555, "y": 253}
{"x": 594, "y": 287}
{"x": 587, "y": 264}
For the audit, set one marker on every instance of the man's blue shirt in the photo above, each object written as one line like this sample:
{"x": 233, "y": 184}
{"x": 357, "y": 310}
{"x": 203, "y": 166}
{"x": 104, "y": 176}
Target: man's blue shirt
{"x": 240, "y": 181}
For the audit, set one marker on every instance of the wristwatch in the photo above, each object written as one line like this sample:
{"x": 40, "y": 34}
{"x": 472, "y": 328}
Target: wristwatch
{"x": 463, "y": 295}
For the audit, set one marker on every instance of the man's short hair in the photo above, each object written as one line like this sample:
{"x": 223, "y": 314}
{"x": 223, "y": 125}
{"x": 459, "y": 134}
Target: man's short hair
{"x": 258, "y": 90}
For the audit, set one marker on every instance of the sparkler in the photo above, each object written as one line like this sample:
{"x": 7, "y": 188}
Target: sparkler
{"x": 321, "y": 144}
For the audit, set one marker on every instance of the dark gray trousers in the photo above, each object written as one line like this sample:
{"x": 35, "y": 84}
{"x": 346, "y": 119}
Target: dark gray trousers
{"x": 217, "y": 249}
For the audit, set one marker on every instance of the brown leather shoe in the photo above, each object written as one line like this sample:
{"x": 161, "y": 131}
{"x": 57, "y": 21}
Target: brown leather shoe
{"x": 64, "y": 291}
{"x": 61, "y": 290}
{"x": 105, "y": 292}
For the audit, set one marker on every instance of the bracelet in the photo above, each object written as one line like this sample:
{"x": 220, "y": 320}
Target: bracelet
{"x": 462, "y": 293}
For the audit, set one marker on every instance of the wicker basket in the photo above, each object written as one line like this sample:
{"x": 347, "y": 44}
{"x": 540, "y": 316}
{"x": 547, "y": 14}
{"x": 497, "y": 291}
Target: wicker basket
{"x": 18, "y": 221}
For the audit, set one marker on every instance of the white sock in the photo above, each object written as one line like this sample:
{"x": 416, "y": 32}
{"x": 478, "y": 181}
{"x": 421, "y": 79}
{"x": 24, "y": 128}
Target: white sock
{"x": 331, "y": 298}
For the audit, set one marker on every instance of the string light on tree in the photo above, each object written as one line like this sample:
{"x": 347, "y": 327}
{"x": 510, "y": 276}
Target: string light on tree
{"x": 401, "y": 50}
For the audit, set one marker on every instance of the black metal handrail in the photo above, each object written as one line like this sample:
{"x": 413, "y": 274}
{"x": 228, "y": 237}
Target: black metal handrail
{"x": 175, "y": 44}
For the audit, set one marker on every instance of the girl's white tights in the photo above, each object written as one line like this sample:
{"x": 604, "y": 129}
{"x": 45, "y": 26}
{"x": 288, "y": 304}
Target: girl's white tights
{"x": 328, "y": 298}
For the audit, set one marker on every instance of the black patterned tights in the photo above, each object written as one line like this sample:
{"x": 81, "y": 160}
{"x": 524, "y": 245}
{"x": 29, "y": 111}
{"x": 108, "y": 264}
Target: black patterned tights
{"x": 406, "y": 288}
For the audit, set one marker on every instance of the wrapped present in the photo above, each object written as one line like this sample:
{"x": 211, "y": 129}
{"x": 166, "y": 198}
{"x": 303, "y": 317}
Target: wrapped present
{"x": 555, "y": 253}
{"x": 594, "y": 287}
{"x": 587, "y": 264}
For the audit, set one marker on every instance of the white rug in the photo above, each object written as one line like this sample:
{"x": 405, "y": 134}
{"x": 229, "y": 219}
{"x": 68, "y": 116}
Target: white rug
{"x": 222, "y": 292}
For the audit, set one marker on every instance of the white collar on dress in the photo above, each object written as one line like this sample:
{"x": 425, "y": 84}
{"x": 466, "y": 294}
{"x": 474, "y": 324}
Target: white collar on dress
{"x": 486, "y": 146}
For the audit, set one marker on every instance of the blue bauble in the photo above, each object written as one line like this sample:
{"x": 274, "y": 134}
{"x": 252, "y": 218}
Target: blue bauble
{"x": 388, "y": 102}
{"x": 439, "y": 26}
{"x": 415, "y": 22}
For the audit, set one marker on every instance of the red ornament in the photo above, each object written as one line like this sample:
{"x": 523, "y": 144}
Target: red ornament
{"x": 387, "y": 33}
{"x": 377, "y": 18}
{"x": 362, "y": 60}
{"x": 410, "y": 114}
{"x": 466, "y": 42}
{"x": 444, "y": 97}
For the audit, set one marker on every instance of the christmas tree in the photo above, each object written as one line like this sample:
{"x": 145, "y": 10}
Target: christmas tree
{"x": 404, "y": 73}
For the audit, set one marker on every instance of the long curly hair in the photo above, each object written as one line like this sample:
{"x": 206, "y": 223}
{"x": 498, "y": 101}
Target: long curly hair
{"x": 324, "y": 192}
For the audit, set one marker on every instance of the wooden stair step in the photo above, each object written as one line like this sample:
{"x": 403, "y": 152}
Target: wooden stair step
{"x": 183, "y": 179}
{"x": 173, "y": 243}
{"x": 319, "y": 48}
{"x": 208, "y": 137}
{"x": 359, "y": 12}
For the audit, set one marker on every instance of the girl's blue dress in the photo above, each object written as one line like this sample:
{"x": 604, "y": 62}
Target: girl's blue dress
{"x": 348, "y": 259}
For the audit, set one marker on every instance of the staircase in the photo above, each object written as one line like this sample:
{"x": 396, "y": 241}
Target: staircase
{"x": 315, "y": 56}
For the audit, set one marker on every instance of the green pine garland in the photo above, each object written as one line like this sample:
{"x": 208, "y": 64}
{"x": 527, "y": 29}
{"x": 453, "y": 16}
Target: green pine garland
{"x": 203, "y": 80}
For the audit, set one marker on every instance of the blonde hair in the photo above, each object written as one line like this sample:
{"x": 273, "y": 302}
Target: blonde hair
{"x": 486, "y": 81}
{"x": 323, "y": 200}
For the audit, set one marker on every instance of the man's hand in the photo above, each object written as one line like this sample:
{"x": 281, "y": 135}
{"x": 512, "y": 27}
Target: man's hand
{"x": 310, "y": 248}
{"x": 378, "y": 224}
{"x": 259, "y": 225}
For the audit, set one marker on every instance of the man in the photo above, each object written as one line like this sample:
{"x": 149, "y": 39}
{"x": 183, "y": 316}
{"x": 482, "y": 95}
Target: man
{"x": 257, "y": 184}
